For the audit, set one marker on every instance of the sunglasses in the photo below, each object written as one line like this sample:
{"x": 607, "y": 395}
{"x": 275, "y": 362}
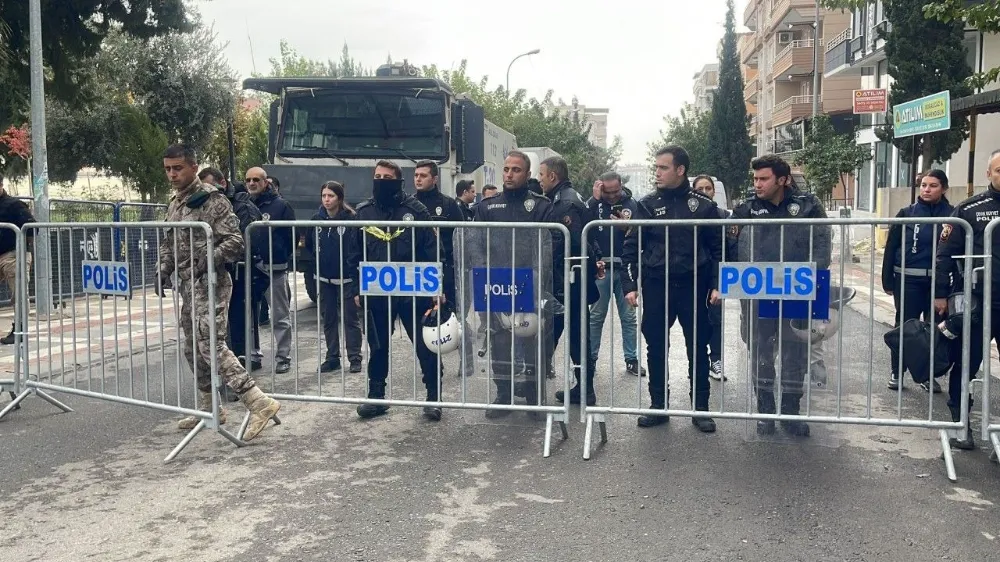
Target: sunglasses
{"x": 254, "y": 180}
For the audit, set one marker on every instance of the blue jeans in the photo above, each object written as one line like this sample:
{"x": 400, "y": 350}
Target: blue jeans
{"x": 599, "y": 312}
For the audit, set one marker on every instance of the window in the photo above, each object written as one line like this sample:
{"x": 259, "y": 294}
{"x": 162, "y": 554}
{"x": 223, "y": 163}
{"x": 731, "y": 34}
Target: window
{"x": 971, "y": 43}
{"x": 882, "y": 169}
{"x": 904, "y": 171}
{"x": 864, "y": 181}
{"x": 364, "y": 124}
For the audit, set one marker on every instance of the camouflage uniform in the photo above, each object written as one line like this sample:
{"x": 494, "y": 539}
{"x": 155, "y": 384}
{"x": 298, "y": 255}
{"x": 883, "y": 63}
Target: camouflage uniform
{"x": 204, "y": 203}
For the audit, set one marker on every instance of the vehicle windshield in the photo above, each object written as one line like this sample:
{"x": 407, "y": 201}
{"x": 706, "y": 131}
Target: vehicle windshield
{"x": 364, "y": 124}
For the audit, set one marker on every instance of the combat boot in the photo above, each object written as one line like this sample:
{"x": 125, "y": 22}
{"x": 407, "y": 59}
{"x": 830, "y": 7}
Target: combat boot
{"x": 205, "y": 405}
{"x": 262, "y": 408}
{"x": 9, "y": 338}
{"x": 765, "y": 405}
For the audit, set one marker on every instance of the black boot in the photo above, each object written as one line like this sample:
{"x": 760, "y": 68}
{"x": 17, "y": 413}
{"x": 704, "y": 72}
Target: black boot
{"x": 703, "y": 423}
{"x": 790, "y": 406}
{"x": 765, "y": 405}
{"x": 367, "y": 411}
{"x": 969, "y": 443}
{"x": 9, "y": 338}
{"x": 655, "y": 419}
{"x": 502, "y": 398}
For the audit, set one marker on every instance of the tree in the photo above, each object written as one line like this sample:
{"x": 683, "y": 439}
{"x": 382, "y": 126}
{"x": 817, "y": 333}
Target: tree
{"x": 983, "y": 15}
{"x": 925, "y": 57}
{"x": 291, "y": 63}
{"x": 74, "y": 31}
{"x": 15, "y": 151}
{"x": 690, "y": 130}
{"x": 536, "y": 123}
{"x": 249, "y": 135}
{"x": 830, "y": 157}
{"x": 729, "y": 148}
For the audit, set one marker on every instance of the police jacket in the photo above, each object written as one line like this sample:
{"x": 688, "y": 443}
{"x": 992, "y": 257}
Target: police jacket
{"x": 542, "y": 251}
{"x": 274, "y": 208}
{"x": 602, "y": 236}
{"x": 442, "y": 208}
{"x": 15, "y": 212}
{"x": 978, "y": 211}
{"x": 916, "y": 241}
{"x": 658, "y": 252}
{"x": 389, "y": 244}
{"x": 332, "y": 262}
{"x": 468, "y": 212}
{"x": 763, "y": 243}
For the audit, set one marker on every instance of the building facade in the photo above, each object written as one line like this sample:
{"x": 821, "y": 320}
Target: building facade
{"x": 638, "y": 178}
{"x": 859, "y": 52}
{"x": 706, "y": 81}
{"x": 596, "y": 117}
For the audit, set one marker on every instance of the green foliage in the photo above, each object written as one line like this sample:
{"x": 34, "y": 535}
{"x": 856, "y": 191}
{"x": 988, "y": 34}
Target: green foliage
{"x": 249, "y": 136}
{"x": 925, "y": 57}
{"x": 291, "y": 63}
{"x": 138, "y": 159}
{"x": 729, "y": 149}
{"x": 983, "y": 15}
{"x": 690, "y": 130}
{"x": 830, "y": 157}
{"x": 73, "y": 32}
{"x": 535, "y": 123}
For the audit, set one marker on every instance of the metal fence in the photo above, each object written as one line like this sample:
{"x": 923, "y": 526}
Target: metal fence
{"x": 312, "y": 367}
{"x": 140, "y": 352}
{"x": 991, "y": 419}
{"x": 790, "y": 363}
{"x": 13, "y": 385}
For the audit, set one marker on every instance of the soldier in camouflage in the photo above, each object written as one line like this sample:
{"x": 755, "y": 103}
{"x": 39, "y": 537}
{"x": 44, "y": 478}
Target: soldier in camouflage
{"x": 195, "y": 201}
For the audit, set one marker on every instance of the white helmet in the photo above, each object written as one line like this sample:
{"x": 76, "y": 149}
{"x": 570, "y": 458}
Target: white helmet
{"x": 523, "y": 325}
{"x": 445, "y": 337}
{"x": 818, "y": 330}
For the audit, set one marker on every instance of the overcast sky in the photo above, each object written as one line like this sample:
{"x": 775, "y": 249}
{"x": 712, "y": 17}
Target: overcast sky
{"x": 635, "y": 57}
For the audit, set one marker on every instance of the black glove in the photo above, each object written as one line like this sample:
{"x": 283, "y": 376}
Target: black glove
{"x": 163, "y": 282}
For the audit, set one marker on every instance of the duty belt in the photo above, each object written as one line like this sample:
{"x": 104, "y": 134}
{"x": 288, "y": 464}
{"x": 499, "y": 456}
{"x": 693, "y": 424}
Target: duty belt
{"x": 913, "y": 271}
{"x": 334, "y": 281}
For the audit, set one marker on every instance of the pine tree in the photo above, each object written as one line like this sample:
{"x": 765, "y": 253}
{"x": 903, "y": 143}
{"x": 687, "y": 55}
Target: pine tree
{"x": 729, "y": 148}
{"x": 925, "y": 56}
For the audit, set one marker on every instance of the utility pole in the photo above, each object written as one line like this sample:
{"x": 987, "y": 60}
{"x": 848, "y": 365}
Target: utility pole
{"x": 39, "y": 165}
{"x": 815, "y": 87}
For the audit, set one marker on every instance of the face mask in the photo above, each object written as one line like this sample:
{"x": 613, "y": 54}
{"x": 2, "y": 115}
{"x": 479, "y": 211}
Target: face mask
{"x": 386, "y": 191}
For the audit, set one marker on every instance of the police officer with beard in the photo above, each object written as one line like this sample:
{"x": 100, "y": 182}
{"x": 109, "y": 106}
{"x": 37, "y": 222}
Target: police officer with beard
{"x": 569, "y": 208}
{"x": 677, "y": 284}
{"x": 978, "y": 211}
{"x": 776, "y": 198}
{"x": 518, "y": 204}
{"x": 400, "y": 245}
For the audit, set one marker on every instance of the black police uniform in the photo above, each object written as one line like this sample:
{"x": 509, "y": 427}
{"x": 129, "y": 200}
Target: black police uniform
{"x": 912, "y": 246}
{"x": 444, "y": 208}
{"x": 569, "y": 209}
{"x": 763, "y": 243}
{"x": 978, "y": 211}
{"x": 467, "y": 211}
{"x": 385, "y": 244}
{"x": 676, "y": 284}
{"x": 517, "y": 205}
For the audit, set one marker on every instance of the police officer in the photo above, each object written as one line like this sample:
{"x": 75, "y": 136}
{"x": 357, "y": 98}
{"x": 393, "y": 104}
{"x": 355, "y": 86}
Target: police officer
{"x": 194, "y": 201}
{"x": 569, "y": 208}
{"x": 677, "y": 284}
{"x": 444, "y": 208}
{"x": 398, "y": 245}
{"x": 517, "y": 204}
{"x": 908, "y": 262}
{"x": 465, "y": 196}
{"x": 775, "y": 197}
{"x": 978, "y": 211}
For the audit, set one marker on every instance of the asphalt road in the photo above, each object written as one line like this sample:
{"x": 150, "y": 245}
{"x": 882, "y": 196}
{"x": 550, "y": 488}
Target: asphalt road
{"x": 327, "y": 486}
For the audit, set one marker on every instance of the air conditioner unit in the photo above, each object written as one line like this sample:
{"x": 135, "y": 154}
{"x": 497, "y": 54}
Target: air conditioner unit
{"x": 785, "y": 37}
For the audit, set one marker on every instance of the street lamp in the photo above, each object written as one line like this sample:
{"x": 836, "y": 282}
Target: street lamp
{"x": 529, "y": 53}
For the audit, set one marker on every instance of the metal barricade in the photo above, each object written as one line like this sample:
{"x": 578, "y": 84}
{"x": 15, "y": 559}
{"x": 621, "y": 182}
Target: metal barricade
{"x": 127, "y": 352}
{"x": 70, "y": 251}
{"x": 12, "y": 386}
{"x": 310, "y": 367}
{"x": 991, "y": 421}
{"x": 5, "y": 291}
{"x": 780, "y": 350}
{"x": 133, "y": 246}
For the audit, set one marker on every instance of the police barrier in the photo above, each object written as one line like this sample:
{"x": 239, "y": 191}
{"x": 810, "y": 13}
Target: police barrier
{"x": 991, "y": 420}
{"x": 71, "y": 243}
{"x": 133, "y": 246}
{"x": 12, "y": 386}
{"x": 503, "y": 287}
{"x": 789, "y": 300}
{"x": 128, "y": 352}
{"x": 5, "y": 291}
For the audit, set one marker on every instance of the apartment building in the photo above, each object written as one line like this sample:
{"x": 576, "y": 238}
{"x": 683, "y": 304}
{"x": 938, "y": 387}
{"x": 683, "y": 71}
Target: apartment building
{"x": 596, "y": 117}
{"x": 859, "y": 53}
{"x": 777, "y": 55}
{"x": 638, "y": 178}
{"x": 706, "y": 81}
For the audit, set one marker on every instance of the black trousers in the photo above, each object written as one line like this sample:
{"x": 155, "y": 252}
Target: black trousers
{"x": 663, "y": 303}
{"x": 237, "y": 314}
{"x": 976, "y": 353}
{"x": 334, "y": 312}
{"x": 715, "y": 339}
{"x": 382, "y": 315}
{"x": 764, "y": 342}
{"x": 578, "y": 327}
{"x": 918, "y": 291}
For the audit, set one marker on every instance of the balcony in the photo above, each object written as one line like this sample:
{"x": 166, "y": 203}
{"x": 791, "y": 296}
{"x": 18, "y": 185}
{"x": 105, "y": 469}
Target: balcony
{"x": 750, "y": 15}
{"x": 751, "y": 88}
{"x": 792, "y": 109}
{"x": 791, "y": 12}
{"x": 795, "y": 59}
{"x": 749, "y": 47}
{"x": 838, "y": 55}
